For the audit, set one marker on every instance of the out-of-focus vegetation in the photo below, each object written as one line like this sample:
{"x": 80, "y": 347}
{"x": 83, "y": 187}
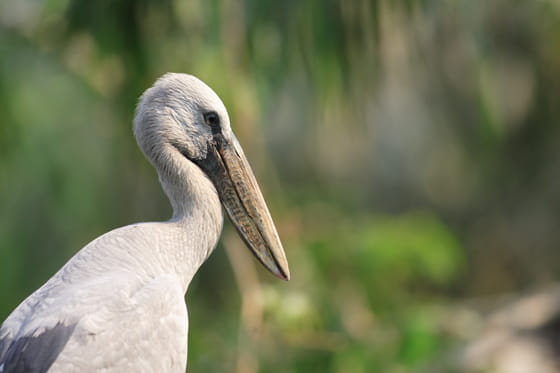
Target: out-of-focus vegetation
{"x": 409, "y": 151}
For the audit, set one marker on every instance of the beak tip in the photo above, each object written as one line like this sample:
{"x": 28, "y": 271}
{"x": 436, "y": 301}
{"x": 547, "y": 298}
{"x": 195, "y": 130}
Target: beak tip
{"x": 283, "y": 273}
{"x": 282, "y": 276}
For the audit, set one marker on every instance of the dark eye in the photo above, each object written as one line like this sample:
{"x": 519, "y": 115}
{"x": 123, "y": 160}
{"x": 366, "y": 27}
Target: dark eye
{"x": 212, "y": 119}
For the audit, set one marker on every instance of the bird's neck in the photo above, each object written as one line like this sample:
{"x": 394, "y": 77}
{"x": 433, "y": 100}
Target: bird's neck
{"x": 197, "y": 213}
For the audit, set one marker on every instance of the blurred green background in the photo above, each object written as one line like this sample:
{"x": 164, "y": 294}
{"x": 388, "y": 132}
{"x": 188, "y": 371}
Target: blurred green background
{"x": 409, "y": 151}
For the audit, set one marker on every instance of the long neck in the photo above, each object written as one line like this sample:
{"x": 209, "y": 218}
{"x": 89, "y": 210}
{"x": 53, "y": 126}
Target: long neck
{"x": 179, "y": 245}
{"x": 197, "y": 212}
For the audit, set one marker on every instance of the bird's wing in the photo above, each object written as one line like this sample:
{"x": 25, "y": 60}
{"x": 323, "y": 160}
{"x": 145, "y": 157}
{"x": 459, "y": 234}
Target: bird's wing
{"x": 34, "y": 353}
{"x": 23, "y": 338}
{"x": 114, "y": 328}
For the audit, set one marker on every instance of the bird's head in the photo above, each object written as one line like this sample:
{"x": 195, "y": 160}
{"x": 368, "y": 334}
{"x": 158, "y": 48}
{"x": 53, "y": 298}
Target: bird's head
{"x": 182, "y": 114}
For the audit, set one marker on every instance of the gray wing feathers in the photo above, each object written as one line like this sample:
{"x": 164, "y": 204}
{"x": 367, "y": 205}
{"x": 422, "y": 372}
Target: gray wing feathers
{"x": 5, "y": 342}
{"x": 33, "y": 353}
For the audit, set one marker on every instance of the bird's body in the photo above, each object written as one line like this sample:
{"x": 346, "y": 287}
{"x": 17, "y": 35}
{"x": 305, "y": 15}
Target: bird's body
{"x": 118, "y": 304}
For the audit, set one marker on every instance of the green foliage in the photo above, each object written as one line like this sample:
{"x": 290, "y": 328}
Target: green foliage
{"x": 414, "y": 247}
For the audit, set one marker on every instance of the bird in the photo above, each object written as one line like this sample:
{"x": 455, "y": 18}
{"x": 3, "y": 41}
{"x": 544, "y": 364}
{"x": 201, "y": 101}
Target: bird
{"x": 118, "y": 305}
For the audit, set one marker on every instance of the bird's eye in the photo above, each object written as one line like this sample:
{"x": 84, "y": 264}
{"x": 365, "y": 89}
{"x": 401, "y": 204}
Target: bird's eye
{"x": 212, "y": 119}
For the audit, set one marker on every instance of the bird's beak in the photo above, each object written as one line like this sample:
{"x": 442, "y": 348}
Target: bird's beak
{"x": 229, "y": 170}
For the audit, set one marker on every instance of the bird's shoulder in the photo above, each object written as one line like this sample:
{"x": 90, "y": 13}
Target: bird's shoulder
{"x": 101, "y": 285}
{"x": 102, "y": 316}
{"x": 144, "y": 330}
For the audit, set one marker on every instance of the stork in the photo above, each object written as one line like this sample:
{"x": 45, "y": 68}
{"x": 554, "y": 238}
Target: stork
{"x": 118, "y": 304}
